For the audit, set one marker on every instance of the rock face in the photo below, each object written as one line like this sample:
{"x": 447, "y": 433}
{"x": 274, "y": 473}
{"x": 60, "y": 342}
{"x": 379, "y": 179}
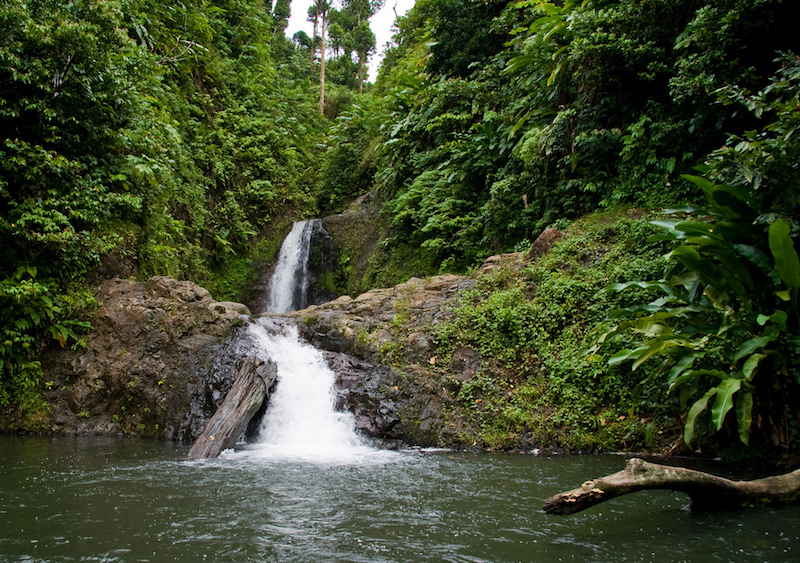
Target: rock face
{"x": 322, "y": 261}
{"x": 544, "y": 242}
{"x": 163, "y": 355}
{"x": 386, "y": 375}
{"x": 158, "y": 362}
{"x": 357, "y": 233}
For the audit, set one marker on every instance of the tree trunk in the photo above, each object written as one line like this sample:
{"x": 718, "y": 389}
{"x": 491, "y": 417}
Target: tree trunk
{"x": 706, "y": 492}
{"x": 361, "y": 66}
{"x": 314, "y": 40}
{"x": 322, "y": 66}
{"x": 248, "y": 392}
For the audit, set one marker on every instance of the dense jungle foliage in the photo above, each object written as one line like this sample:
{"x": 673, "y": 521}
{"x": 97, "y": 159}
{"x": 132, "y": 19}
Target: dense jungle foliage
{"x": 161, "y": 135}
{"x": 181, "y": 140}
{"x": 527, "y": 114}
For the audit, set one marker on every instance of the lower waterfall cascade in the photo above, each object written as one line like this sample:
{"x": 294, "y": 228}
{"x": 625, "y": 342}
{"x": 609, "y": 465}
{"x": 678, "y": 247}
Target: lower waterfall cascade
{"x": 301, "y": 421}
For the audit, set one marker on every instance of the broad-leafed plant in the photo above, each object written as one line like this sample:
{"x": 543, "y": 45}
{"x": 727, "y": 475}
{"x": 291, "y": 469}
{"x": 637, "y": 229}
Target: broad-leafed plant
{"x": 725, "y": 319}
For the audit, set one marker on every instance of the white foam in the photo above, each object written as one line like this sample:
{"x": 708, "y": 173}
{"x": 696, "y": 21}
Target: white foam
{"x": 301, "y": 422}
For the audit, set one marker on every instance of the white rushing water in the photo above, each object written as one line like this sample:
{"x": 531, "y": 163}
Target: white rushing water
{"x": 301, "y": 422}
{"x": 288, "y": 286}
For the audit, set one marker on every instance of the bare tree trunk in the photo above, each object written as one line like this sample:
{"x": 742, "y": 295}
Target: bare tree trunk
{"x": 322, "y": 66}
{"x": 248, "y": 392}
{"x": 361, "y": 64}
{"x": 314, "y": 40}
{"x": 706, "y": 492}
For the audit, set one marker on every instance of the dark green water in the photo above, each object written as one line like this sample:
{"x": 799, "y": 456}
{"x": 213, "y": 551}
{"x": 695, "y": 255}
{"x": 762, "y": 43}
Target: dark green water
{"x": 95, "y": 499}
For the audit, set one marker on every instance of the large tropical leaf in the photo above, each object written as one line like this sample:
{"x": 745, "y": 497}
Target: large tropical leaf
{"x": 697, "y": 409}
{"x": 724, "y": 402}
{"x": 744, "y": 415}
{"x": 786, "y": 261}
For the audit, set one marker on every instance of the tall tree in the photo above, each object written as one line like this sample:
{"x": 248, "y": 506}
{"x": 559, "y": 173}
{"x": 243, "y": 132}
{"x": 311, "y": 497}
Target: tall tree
{"x": 361, "y": 38}
{"x": 318, "y": 13}
{"x": 363, "y": 43}
{"x": 280, "y": 14}
{"x": 313, "y": 16}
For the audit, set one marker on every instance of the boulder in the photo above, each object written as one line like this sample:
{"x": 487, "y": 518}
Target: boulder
{"x": 544, "y": 242}
{"x": 157, "y": 362}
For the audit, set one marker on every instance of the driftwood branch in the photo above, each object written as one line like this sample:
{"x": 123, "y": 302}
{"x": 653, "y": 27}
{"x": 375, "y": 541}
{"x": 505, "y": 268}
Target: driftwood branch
{"x": 706, "y": 492}
{"x": 248, "y": 392}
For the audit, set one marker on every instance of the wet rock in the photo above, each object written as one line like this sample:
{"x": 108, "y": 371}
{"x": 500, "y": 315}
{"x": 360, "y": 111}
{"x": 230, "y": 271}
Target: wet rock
{"x": 358, "y": 232}
{"x": 238, "y": 308}
{"x": 322, "y": 262}
{"x": 153, "y": 361}
{"x": 465, "y": 363}
{"x": 369, "y": 391}
{"x": 418, "y": 346}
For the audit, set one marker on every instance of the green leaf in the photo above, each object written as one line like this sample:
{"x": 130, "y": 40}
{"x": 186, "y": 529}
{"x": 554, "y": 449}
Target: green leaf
{"x": 780, "y": 317}
{"x": 752, "y": 345}
{"x": 724, "y": 402}
{"x": 654, "y": 348}
{"x": 621, "y": 356}
{"x": 669, "y": 226}
{"x": 701, "y": 182}
{"x": 744, "y": 415}
{"x": 682, "y": 364}
{"x": 697, "y": 409}
{"x": 682, "y": 380}
{"x": 786, "y": 260}
{"x": 695, "y": 227}
{"x": 750, "y": 365}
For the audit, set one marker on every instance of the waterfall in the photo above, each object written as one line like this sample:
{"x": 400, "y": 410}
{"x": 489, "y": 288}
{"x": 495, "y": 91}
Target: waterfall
{"x": 288, "y": 286}
{"x": 301, "y": 421}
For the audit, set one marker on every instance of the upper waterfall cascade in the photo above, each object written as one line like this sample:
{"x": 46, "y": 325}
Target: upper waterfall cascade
{"x": 289, "y": 284}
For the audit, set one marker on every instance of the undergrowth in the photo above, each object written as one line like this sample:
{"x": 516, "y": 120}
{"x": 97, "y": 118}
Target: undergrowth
{"x": 534, "y": 386}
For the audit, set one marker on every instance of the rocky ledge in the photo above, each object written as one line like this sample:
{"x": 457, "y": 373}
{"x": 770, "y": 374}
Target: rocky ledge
{"x": 157, "y": 362}
{"x": 380, "y": 348}
{"x": 163, "y": 354}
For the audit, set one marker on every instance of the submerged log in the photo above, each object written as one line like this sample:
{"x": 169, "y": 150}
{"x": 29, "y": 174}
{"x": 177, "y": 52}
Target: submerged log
{"x": 706, "y": 491}
{"x": 248, "y": 392}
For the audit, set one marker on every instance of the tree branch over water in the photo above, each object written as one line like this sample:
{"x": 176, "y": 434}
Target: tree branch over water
{"x": 706, "y": 491}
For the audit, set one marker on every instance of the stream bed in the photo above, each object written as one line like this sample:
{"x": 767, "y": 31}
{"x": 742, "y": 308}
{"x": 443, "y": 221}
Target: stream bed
{"x": 107, "y": 499}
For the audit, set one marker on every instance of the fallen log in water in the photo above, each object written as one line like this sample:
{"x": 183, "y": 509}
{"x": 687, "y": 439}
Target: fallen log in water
{"x": 248, "y": 392}
{"x": 706, "y": 491}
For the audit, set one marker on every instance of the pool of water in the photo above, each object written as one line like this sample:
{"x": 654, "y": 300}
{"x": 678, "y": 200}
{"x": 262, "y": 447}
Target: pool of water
{"x": 101, "y": 499}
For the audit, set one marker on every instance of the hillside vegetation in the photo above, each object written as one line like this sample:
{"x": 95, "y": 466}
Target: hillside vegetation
{"x": 142, "y": 139}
